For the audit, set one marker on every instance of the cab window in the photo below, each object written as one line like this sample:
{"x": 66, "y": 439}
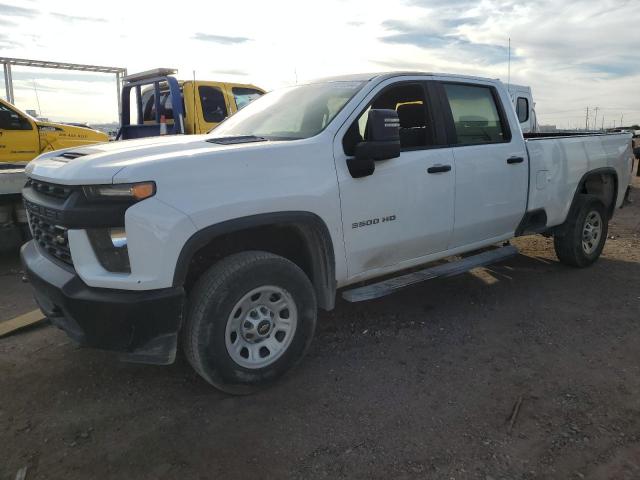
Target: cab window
{"x": 11, "y": 120}
{"x": 475, "y": 114}
{"x": 149, "y": 106}
{"x": 214, "y": 109}
{"x": 416, "y": 129}
{"x": 243, "y": 96}
{"x": 522, "y": 109}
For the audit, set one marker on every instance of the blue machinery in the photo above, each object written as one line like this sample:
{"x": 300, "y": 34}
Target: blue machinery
{"x": 162, "y": 81}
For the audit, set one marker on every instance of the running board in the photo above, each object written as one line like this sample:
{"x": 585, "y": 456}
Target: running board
{"x": 386, "y": 287}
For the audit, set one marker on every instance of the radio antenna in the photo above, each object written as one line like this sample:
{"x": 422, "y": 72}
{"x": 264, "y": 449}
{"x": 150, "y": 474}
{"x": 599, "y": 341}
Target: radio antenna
{"x": 509, "y": 65}
{"x": 195, "y": 114}
{"x": 37, "y": 98}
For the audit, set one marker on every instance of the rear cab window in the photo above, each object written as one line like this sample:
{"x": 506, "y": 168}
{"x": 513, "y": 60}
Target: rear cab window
{"x": 149, "y": 106}
{"x": 477, "y": 115}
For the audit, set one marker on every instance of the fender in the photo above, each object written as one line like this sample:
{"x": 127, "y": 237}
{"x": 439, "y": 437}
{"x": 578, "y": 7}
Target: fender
{"x": 559, "y": 230}
{"x": 312, "y": 228}
{"x": 536, "y": 220}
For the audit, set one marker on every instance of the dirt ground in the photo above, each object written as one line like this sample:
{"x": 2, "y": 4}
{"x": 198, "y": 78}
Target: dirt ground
{"x": 420, "y": 384}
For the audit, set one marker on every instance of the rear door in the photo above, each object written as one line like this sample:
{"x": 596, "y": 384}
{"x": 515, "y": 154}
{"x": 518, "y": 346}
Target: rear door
{"x": 490, "y": 163}
{"x": 19, "y": 140}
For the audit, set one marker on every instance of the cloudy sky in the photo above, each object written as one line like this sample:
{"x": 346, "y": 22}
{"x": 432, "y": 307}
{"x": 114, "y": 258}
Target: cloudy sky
{"x": 574, "y": 54}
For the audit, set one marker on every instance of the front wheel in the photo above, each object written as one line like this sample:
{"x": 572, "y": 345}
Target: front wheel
{"x": 251, "y": 318}
{"x": 585, "y": 234}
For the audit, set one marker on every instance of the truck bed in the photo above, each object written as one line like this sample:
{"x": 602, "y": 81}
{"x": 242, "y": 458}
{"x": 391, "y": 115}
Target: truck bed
{"x": 558, "y": 162}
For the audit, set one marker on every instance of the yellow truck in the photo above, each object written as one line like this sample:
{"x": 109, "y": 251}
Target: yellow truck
{"x": 22, "y": 138}
{"x": 163, "y": 105}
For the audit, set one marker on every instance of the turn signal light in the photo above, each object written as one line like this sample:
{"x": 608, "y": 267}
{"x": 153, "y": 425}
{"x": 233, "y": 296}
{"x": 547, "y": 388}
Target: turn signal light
{"x": 121, "y": 191}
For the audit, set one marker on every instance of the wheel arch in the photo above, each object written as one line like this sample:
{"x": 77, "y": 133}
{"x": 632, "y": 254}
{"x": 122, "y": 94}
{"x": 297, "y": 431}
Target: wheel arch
{"x": 593, "y": 183}
{"x": 302, "y": 237}
{"x": 588, "y": 184}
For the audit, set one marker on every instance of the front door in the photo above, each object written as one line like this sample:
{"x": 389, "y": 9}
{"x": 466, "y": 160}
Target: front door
{"x": 491, "y": 164}
{"x": 19, "y": 141}
{"x": 404, "y": 210}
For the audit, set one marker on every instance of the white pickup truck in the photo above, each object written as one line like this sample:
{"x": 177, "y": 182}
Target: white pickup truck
{"x": 230, "y": 241}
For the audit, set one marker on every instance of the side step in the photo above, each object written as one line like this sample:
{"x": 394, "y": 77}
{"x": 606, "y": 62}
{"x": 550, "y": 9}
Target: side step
{"x": 386, "y": 287}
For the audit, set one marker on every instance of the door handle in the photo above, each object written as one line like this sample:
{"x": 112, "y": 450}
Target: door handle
{"x": 512, "y": 160}
{"x": 439, "y": 169}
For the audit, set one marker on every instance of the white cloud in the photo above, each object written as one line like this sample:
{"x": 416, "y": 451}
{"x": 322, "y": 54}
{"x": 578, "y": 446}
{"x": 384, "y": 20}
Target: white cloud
{"x": 574, "y": 54}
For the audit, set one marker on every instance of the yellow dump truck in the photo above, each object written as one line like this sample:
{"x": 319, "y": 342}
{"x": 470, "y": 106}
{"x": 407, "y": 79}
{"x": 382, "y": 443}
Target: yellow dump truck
{"x": 22, "y": 138}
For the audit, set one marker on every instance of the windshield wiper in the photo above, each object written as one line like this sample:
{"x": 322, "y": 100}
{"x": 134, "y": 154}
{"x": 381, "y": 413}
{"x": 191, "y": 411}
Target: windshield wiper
{"x": 237, "y": 139}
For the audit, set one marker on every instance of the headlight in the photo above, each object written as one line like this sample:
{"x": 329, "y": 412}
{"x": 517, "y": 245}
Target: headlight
{"x": 123, "y": 191}
{"x": 110, "y": 247}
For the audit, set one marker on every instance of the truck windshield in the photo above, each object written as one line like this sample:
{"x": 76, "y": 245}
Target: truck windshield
{"x": 290, "y": 113}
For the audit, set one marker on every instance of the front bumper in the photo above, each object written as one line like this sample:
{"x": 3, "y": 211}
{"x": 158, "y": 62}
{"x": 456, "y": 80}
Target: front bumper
{"x": 140, "y": 325}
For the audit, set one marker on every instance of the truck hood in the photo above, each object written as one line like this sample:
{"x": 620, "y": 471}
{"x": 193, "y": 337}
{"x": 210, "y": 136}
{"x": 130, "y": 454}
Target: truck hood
{"x": 98, "y": 164}
{"x": 65, "y": 126}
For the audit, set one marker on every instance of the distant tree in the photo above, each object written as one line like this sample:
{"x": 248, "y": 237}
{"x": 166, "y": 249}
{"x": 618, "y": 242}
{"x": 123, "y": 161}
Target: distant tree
{"x": 635, "y": 127}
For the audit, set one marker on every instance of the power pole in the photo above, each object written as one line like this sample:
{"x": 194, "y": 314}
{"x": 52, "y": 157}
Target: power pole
{"x": 586, "y": 121}
{"x": 602, "y": 127}
{"x": 595, "y": 120}
{"x": 621, "y": 117}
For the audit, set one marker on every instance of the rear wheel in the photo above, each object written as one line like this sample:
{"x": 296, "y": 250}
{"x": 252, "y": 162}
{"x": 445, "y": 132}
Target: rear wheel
{"x": 585, "y": 234}
{"x": 251, "y": 318}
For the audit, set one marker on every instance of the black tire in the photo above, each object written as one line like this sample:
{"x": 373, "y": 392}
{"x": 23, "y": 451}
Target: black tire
{"x": 211, "y": 302}
{"x": 569, "y": 245}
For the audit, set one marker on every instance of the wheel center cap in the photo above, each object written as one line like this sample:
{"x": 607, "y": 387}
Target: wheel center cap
{"x": 263, "y": 327}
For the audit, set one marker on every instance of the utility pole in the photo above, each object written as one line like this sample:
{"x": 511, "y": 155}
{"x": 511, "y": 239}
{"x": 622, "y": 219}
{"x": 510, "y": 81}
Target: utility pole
{"x": 602, "y": 127}
{"x": 586, "y": 121}
{"x": 621, "y": 117}
{"x": 595, "y": 120}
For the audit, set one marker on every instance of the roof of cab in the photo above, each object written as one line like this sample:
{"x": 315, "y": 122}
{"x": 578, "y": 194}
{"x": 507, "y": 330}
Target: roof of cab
{"x": 380, "y": 76}
{"x": 365, "y": 77}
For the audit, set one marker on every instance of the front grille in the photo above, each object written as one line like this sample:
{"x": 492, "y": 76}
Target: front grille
{"x": 50, "y": 237}
{"x": 50, "y": 189}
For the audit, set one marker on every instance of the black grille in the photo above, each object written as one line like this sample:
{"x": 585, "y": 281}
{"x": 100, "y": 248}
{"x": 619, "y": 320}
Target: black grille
{"x": 51, "y": 238}
{"x": 50, "y": 189}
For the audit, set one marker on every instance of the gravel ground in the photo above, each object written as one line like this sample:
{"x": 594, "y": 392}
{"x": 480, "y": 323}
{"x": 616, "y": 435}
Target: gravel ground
{"x": 421, "y": 384}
